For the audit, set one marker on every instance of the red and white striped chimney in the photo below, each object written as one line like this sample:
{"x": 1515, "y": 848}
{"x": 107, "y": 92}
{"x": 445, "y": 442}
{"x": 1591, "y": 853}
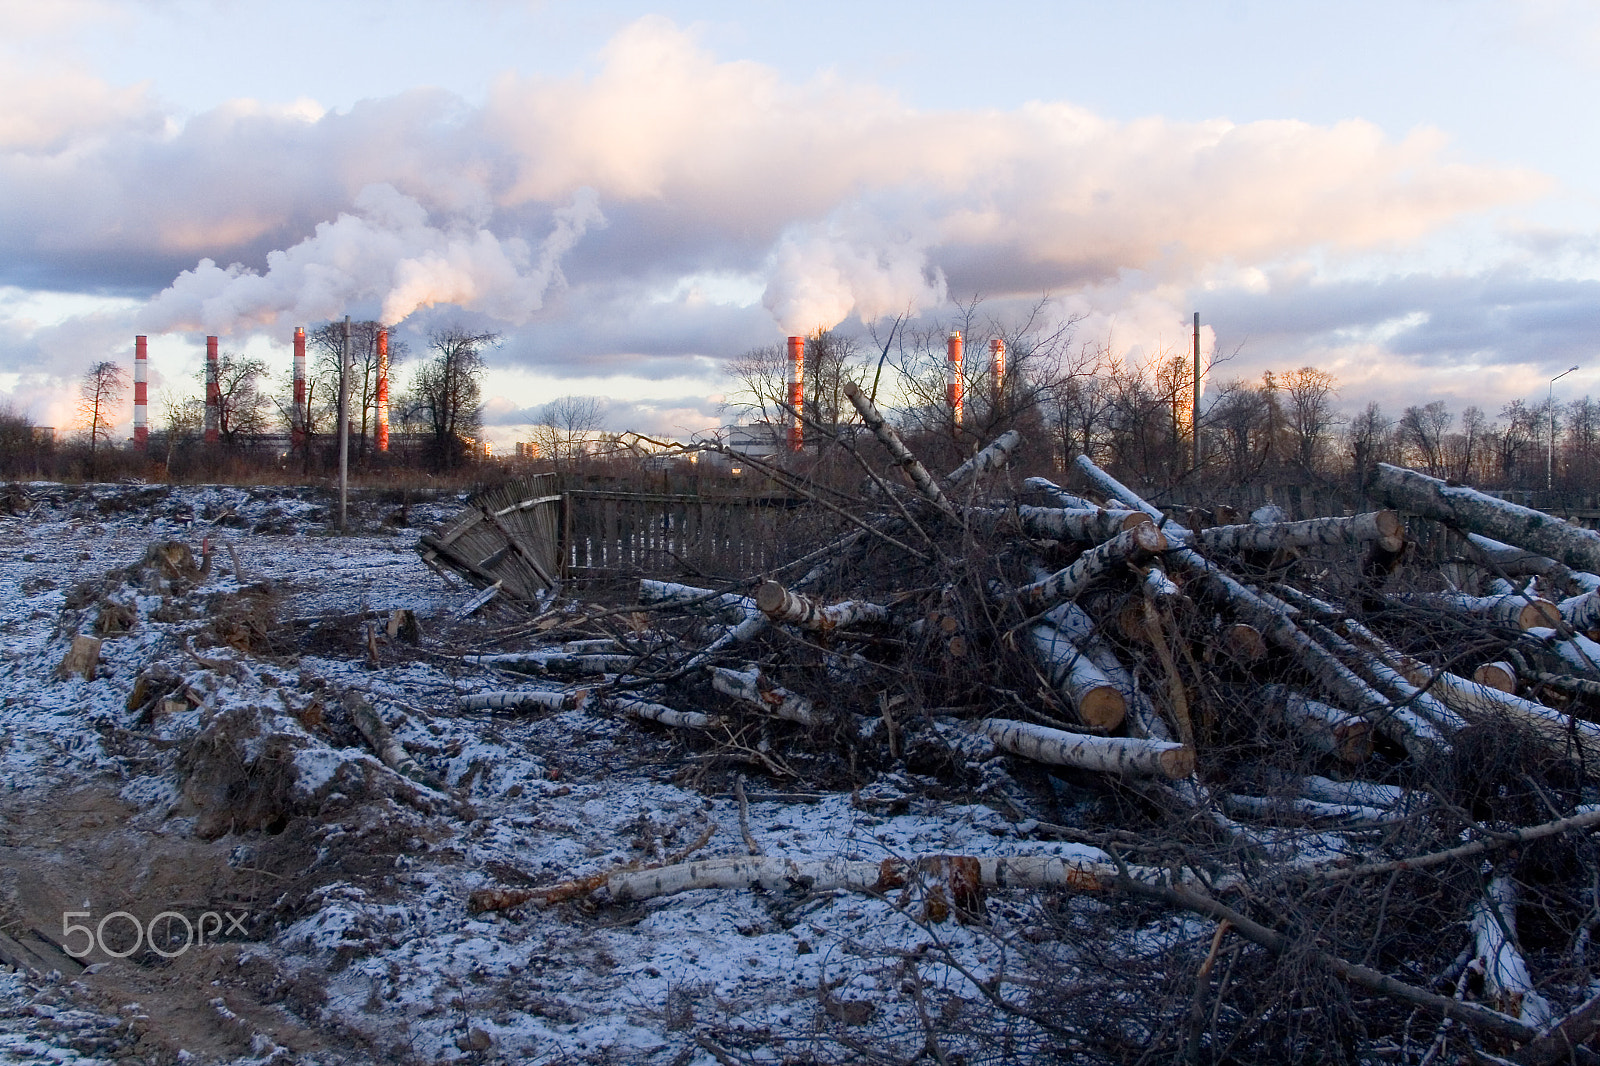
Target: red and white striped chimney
{"x": 297, "y": 429}
{"x": 797, "y": 391}
{"x": 997, "y": 363}
{"x": 141, "y": 395}
{"x": 213, "y": 393}
{"x": 954, "y": 389}
{"x": 383, "y": 389}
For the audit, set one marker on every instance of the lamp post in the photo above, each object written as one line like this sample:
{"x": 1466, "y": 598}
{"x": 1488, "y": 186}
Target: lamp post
{"x": 1550, "y": 413}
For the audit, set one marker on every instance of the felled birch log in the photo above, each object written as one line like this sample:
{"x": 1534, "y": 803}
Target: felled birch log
{"x": 1118, "y": 491}
{"x": 381, "y": 739}
{"x": 1299, "y": 807}
{"x": 733, "y": 607}
{"x": 1130, "y": 546}
{"x": 1059, "y": 523}
{"x": 1513, "y": 609}
{"x": 897, "y": 448}
{"x": 777, "y": 874}
{"x": 1475, "y": 512}
{"x": 1122, "y": 755}
{"x": 1367, "y": 793}
{"x": 1078, "y": 627}
{"x": 749, "y": 687}
{"x": 1581, "y": 612}
{"x": 1482, "y": 702}
{"x": 991, "y": 458}
{"x": 1058, "y": 496}
{"x": 1418, "y": 736}
{"x": 555, "y": 662}
{"x": 1505, "y": 971}
{"x": 1345, "y": 736}
{"x": 1577, "y": 652}
{"x": 551, "y": 699}
{"x": 1393, "y": 682}
{"x": 1516, "y": 561}
{"x": 1383, "y": 527}
{"x": 1097, "y": 701}
{"x": 781, "y": 605}
{"x": 1161, "y": 587}
{"x": 656, "y": 712}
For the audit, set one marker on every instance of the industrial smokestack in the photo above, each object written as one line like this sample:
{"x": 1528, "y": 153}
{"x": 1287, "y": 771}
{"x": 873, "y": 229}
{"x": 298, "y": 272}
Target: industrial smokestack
{"x": 997, "y": 361}
{"x": 383, "y": 390}
{"x": 141, "y": 395}
{"x": 213, "y": 393}
{"x": 297, "y": 429}
{"x": 797, "y": 391}
{"x": 954, "y": 391}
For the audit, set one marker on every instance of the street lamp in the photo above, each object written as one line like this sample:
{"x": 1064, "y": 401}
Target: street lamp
{"x": 1550, "y": 413}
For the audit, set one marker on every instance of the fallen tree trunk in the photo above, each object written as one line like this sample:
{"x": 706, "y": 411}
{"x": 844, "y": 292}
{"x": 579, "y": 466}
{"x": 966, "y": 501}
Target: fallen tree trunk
{"x": 1483, "y": 702}
{"x": 655, "y": 712}
{"x": 1473, "y": 511}
{"x": 550, "y": 699}
{"x": 1076, "y": 625}
{"x": 1098, "y": 702}
{"x": 1505, "y": 971}
{"x": 749, "y": 687}
{"x": 781, "y": 605}
{"x": 1390, "y": 680}
{"x": 1581, "y": 612}
{"x": 1328, "y": 729}
{"x": 1381, "y": 527}
{"x": 1058, "y": 496}
{"x": 1516, "y": 561}
{"x": 1122, "y": 755}
{"x": 731, "y": 606}
{"x": 1059, "y": 523}
{"x": 378, "y": 736}
{"x": 991, "y": 458}
{"x": 1130, "y": 546}
{"x": 897, "y": 449}
{"x": 1512, "y": 609}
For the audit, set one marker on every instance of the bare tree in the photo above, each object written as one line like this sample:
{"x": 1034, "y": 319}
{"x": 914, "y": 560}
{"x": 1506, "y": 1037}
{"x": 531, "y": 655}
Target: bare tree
{"x": 1308, "y": 395}
{"x": 1519, "y": 437}
{"x": 244, "y": 410}
{"x": 447, "y": 393}
{"x": 1423, "y": 430}
{"x": 327, "y": 342}
{"x": 99, "y": 393}
{"x": 566, "y": 428}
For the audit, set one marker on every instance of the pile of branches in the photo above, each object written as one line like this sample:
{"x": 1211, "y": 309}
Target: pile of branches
{"x": 1361, "y": 748}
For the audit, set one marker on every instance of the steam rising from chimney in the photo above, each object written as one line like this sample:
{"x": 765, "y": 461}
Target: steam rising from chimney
{"x": 820, "y": 278}
{"x": 387, "y": 253}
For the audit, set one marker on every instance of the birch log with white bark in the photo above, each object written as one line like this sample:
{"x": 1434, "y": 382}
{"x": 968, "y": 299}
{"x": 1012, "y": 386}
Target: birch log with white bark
{"x": 781, "y": 605}
{"x": 1418, "y": 736}
{"x": 1117, "y": 490}
{"x": 381, "y": 739}
{"x": 555, "y": 662}
{"x": 991, "y": 458}
{"x": 1485, "y": 704}
{"x": 656, "y": 712}
{"x": 1119, "y": 755}
{"x": 733, "y": 607}
{"x": 1098, "y": 702}
{"x": 897, "y": 448}
{"x": 1060, "y": 523}
{"x": 1076, "y": 624}
{"x": 1497, "y": 675}
{"x": 1581, "y": 612}
{"x": 749, "y": 687}
{"x": 1058, "y": 496}
{"x": 1473, "y": 511}
{"x": 1392, "y": 681}
{"x": 1513, "y": 609}
{"x": 1382, "y": 527}
{"x": 1513, "y": 560}
{"x": 1326, "y": 728}
{"x": 550, "y": 699}
{"x": 1130, "y": 546}
{"x": 1505, "y": 971}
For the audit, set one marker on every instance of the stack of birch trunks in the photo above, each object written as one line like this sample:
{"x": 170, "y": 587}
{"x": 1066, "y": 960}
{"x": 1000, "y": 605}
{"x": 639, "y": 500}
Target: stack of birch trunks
{"x": 1363, "y": 744}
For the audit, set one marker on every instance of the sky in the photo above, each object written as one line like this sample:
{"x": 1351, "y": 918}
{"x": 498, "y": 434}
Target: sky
{"x": 1405, "y": 194}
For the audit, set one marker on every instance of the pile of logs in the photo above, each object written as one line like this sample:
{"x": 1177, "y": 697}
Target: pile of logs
{"x": 1277, "y": 684}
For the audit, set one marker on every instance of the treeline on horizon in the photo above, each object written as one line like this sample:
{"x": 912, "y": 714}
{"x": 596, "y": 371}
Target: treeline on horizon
{"x": 1066, "y": 397}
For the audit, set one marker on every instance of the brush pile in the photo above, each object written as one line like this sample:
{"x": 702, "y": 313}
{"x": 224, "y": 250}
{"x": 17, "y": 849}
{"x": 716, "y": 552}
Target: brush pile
{"x": 1357, "y": 751}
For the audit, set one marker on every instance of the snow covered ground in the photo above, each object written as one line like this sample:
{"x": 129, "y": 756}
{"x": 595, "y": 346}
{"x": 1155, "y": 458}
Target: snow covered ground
{"x": 191, "y": 775}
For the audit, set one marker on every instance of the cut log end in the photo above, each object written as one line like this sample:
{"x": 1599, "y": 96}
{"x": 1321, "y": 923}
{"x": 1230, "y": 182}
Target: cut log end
{"x": 1244, "y": 643}
{"x": 771, "y": 597}
{"x": 1353, "y": 741}
{"x": 1539, "y": 614}
{"x": 1391, "y": 531}
{"x": 1137, "y": 518}
{"x": 1177, "y": 763}
{"x": 1498, "y": 675}
{"x": 1102, "y": 708}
